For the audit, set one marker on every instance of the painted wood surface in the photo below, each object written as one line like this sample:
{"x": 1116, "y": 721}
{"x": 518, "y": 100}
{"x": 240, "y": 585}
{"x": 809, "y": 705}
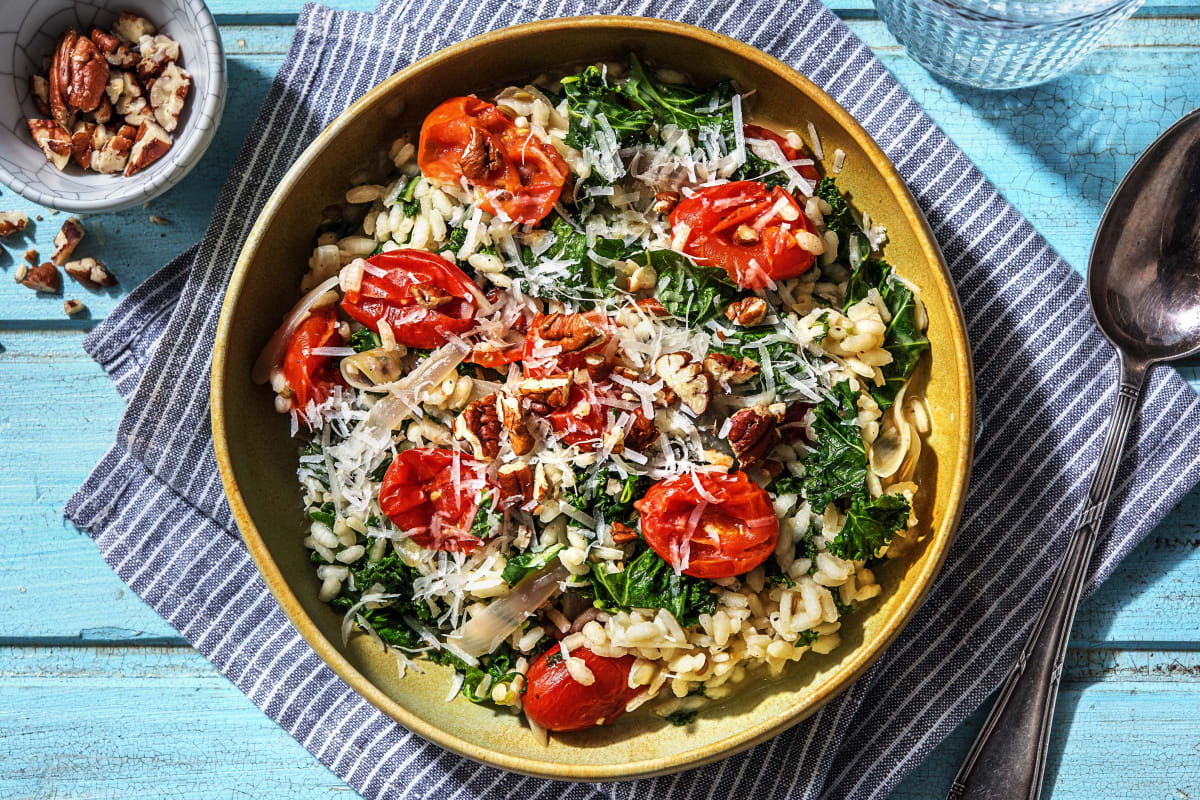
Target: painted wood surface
{"x": 79, "y": 652}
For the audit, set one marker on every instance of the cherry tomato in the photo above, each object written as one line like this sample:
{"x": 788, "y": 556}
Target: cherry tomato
{"x": 420, "y": 495}
{"x": 807, "y": 171}
{"x": 311, "y": 377}
{"x": 741, "y": 227}
{"x": 581, "y": 421}
{"x": 422, "y": 296}
{"x": 731, "y": 536}
{"x": 516, "y": 173}
{"x": 557, "y": 702}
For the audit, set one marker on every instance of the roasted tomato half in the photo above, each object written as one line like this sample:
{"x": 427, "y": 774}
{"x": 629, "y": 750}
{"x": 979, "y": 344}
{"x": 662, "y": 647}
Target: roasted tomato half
{"x": 515, "y": 173}
{"x": 421, "y": 295}
{"x": 746, "y": 229}
{"x": 807, "y": 171}
{"x": 729, "y": 533}
{"x": 557, "y": 702}
{"x": 311, "y": 376}
{"x": 432, "y": 500}
{"x": 581, "y": 421}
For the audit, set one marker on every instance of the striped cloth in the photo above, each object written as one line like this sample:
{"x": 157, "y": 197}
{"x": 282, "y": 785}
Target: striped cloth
{"x": 1045, "y": 378}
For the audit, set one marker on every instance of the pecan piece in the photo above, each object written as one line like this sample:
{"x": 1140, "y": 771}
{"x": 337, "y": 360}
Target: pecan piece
{"x": 429, "y": 296}
{"x": 686, "y": 378}
{"x": 39, "y": 87}
{"x": 168, "y": 94}
{"x": 571, "y": 332}
{"x": 103, "y": 112}
{"x": 546, "y": 393}
{"x": 747, "y": 311}
{"x": 744, "y": 234}
{"x": 130, "y": 27}
{"x": 665, "y": 202}
{"x": 105, "y": 42}
{"x": 113, "y": 154}
{"x": 66, "y": 240}
{"x": 60, "y": 79}
{"x": 72, "y": 307}
{"x": 88, "y": 75}
{"x": 479, "y": 426}
{"x": 480, "y": 157}
{"x": 752, "y": 433}
{"x": 90, "y": 273}
{"x": 157, "y": 52}
{"x": 726, "y": 371}
{"x": 516, "y": 481}
{"x": 52, "y": 139}
{"x": 514, "y": 422}
{"x": 151, "y": 144}
{"x": 81, "y": 143}
{"x": 642, "y": 432}
{"x": 12, "y": 222}
{"x": 651, "y": 306}
{"x": 43, "y": 278}
{"x": 138, "y": 111}
{"x": 623, "y": 534}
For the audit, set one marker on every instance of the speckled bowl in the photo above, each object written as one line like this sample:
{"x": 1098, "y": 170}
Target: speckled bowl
{"x": 258, "y": 460}
{"x": 28, "y": 32}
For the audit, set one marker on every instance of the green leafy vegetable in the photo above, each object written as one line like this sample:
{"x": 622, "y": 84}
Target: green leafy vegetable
{"x": 807, "y": 638}
{"x": 587, "y": 280}
{"x": 485, "y": 519}
{"x": 392, "y": 576}
{"x": 841, "y": 221}
{"x": 524, "y": 563}
{"x": 837, "y": 467}
{"x": 592, "y": 497}
{"x": 650, "y": 582}
{"x": 406, "y": 200}
{"x": 324, "y": 514}
{"x": 688, "y": 290}
{"x": 681, "y": 718}
{"x": 870, "y": 525}
{"x": 499, "y": 664}
{"x": 903, "y": 339}
{"x": 784, "y": 357}
{"x": 365, "y": 339}
{"x": 679, "y": 104}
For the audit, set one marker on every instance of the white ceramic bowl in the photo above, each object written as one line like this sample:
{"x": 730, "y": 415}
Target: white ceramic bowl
{"x": 28, "y": 32}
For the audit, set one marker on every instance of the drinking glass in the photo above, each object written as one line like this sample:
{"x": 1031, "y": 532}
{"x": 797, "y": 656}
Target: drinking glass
{"x": 1001, "y": 44}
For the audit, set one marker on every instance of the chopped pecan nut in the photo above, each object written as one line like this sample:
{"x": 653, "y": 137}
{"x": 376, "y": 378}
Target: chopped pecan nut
{"x": 88, "y": 75}
{"x": 514, "y": 422}
{"x": 130, "y": 27}
{"x": 651, "y": 306}
{"x": 686, "y": 378}
{"x": 546, "y": 393}
{"x": 105, "y": 42}
{"x": 516, "y": 481}
{"x": 623, "y": 534}
{"x": 60, "y": 80}
{"x": 81, "y": 144}
{"x": 665, "y": 202}
{"x": 22, "y": 271}
{"x": 168, "y": 95}
{"x": 66, "y": 240}
{"x": 429, "y": 296}
{"x": 72, "y": 307}
{"x": 480, "y": 157}
{"x": 479, "y": 426}
{"x": 39, "y": 87}
{"x": 571, "y": 332}
{"x": 31, "y": 256}
{"x": 90, "y": 273}
{"x": 43, "y": 278}
{"x": 151, "y": 144}
{"x": 103, "y": 112}
{"x": 12, "y": 222}
{"x": 641, "y": 433}
{"x": 747, "y": 311}
{"x": 752, "y": 433}
{"x": 113, "y": 154}
{"x": 156, "y": 52}
{"x": 744, "y": 234}
{"x": 138, "y": 111}
{"x": 127, "y": 90}
{"x": 52, "y": 139}
{"x": 726, "y": 371}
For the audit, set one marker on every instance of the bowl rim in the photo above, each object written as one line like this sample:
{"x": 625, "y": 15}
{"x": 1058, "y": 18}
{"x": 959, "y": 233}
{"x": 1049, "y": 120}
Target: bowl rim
{"x": 131, "y": 191}
{"x": 848, "y": 671}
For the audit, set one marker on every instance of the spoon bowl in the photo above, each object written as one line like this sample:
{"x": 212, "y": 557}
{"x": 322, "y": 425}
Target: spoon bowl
{"x": 1144, "y": 275}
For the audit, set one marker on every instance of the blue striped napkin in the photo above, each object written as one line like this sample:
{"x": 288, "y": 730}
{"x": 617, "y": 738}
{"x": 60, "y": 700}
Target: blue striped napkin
{"x": 1045, "y": 378}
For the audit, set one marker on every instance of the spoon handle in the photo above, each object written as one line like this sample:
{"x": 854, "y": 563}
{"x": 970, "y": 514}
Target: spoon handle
{"x": 1008, "y": 759}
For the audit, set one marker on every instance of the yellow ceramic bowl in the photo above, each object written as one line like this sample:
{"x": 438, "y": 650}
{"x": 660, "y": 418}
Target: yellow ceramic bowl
{"x": 258, "y": 460}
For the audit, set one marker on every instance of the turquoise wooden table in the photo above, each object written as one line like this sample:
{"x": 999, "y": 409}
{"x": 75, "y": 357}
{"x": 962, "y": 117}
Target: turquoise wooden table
{"x": 101, "y": 698}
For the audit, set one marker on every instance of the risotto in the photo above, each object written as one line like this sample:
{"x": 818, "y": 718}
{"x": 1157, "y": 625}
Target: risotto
{"x": 603, "y": 394}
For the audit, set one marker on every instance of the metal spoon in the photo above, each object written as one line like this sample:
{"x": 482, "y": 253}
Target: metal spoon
{"x": 1144, "y": 287}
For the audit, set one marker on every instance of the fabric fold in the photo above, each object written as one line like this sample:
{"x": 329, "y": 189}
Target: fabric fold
{"x": 1044, "y": 374}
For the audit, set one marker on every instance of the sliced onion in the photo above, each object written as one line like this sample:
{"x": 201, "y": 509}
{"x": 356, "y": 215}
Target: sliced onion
{"x": 484, "y": 632}
{"x": 405, "y": 394}
{"x": 272, "y": 354}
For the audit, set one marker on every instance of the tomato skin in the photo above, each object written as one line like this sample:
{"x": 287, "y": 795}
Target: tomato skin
{"x": 584, "y": 429}
{"x": 557, "y": 702}
{"x": 714, "y": 213}
{"x": 807, "y": 171}
{"x": 520, "y": 176}
{"x": 401, "y": 298}
{"x": 311, "y": 377}
{"x": 419, "y": 485}
{"x": 733, "y": 536}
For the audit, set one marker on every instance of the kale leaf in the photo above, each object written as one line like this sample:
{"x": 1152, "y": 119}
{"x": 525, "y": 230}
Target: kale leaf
{"x": 587, "y": 280}
{"x": 679, "y": 104}
{"x": 688, "y": 290}
{"x": 500, "y": 664}
{"x": 394, "y": 577}
{"x": 365, "y": 339}
{"x": 591, "y": 495}
{"x": 520, "y": 565}
{"x": 841, "y": 221}
{"x": 903, "y": 339}
{"x": 325, "y": 514}
{"x": 785, "y": 359}
{"x": 650, "y": 582}
{"x": 837, "y": 467}
{"x": 807, "y": 638}
{"x": 870, "y": 525}
{"x": 485, "y": 519}
{"x": 407, "y": 202}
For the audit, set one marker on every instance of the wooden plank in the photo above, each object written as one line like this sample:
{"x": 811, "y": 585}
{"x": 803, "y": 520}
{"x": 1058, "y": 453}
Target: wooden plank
{"x": 1122, "y": 731}
{"x": 1058, "y": 168}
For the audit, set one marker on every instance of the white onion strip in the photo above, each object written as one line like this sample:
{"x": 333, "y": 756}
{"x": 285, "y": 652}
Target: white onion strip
{"x": 484, "y": 632}
{"x": 272, "y": 354}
